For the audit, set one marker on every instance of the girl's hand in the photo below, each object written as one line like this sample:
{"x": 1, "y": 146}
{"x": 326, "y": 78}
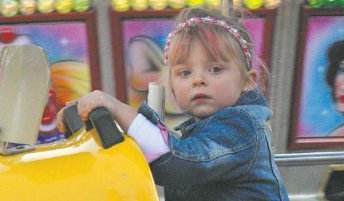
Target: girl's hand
{"x": 96, "y": 99}
{"x": 123, "y": 114}
{"x": 59, "y": 119}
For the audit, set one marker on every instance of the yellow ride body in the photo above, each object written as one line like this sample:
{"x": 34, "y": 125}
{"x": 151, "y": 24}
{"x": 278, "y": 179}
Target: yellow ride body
{"x": 78, "y": 168}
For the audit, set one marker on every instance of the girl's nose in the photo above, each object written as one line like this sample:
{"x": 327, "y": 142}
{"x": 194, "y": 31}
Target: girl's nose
{"x": 199, "y": 80}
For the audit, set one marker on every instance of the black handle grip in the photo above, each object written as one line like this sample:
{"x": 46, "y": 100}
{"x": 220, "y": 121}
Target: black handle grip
{"x": 88, "y": 125}
{"x": 106, "y": 127}
{"x": 99, "y": 118}
{"x": 71, "y": 120}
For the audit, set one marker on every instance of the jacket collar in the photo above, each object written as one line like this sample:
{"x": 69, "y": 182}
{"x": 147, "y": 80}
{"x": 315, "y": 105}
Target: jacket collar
{"x": 252, "y": 97}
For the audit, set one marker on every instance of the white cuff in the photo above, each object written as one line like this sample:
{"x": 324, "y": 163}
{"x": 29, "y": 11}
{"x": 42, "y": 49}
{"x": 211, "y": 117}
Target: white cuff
{"x": 149, "y": 137}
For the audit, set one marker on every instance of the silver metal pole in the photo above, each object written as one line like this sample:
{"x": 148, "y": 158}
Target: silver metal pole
{"x": 156, "y": 98}
{"x": 226, "y": 6}
{"x": 309, "y": 159}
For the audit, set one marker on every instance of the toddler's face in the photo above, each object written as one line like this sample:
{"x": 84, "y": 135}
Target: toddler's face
{"x": 203, "y": 85}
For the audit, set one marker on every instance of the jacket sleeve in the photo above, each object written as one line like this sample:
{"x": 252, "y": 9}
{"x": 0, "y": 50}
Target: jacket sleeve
{"x": 224, "y": 148}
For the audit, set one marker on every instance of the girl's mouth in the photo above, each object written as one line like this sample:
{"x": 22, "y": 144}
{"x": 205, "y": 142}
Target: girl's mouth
{"x": 200, "y": 97}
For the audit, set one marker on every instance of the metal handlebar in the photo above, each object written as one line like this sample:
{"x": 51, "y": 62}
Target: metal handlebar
{"x": 309, "y": 159}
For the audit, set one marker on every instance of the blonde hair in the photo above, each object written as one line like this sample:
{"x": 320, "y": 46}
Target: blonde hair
{"x": 217, "y": 40}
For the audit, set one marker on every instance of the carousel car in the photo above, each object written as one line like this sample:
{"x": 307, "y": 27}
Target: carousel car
{"x": 94, "y": 161}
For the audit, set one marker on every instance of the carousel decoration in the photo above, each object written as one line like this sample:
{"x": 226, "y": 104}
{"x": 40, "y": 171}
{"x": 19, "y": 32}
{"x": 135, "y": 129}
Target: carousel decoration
{"x": 27, "y": 7}
{"x": 9, "y": 8}
{"x": 325, "y": 3}
{"x": 125, "y": 5}
{"x": 64, "y": 6}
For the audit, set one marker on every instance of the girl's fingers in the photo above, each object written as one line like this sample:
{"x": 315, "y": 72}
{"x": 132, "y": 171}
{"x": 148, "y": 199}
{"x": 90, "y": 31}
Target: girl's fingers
{"x": 59, "y": 122}
{"x": 91, "y": 101}
{"x": 82, "y": 110}
{"x": 86, "y": 104}
{"x": 69, "y": 103}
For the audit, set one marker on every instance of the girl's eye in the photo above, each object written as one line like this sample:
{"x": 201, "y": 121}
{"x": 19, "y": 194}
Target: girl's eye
{"x": 215, "y": 69}
{"x": 184, "y": 73}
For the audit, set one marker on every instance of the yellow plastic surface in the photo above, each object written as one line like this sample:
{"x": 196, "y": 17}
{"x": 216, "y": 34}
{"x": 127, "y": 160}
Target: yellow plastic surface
{"x": 78, "y": 169}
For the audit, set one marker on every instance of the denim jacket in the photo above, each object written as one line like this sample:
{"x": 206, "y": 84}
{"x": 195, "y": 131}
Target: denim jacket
{"x": 225, "y": 157}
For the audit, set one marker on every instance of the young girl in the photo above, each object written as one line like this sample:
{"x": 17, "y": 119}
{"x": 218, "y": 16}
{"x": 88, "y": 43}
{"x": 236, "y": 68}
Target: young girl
{"x": 224, "y": 152}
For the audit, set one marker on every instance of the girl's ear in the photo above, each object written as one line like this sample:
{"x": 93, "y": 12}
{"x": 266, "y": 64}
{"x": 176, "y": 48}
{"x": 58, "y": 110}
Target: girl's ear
{"x": 251, "y": 79}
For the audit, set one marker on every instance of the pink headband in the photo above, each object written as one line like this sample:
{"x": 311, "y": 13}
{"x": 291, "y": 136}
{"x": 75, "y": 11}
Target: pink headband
{"x": 194, "y": 21}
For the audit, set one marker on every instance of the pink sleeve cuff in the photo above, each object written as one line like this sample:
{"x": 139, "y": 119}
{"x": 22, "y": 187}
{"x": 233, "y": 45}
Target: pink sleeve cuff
{"x": 164, "y": 132}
